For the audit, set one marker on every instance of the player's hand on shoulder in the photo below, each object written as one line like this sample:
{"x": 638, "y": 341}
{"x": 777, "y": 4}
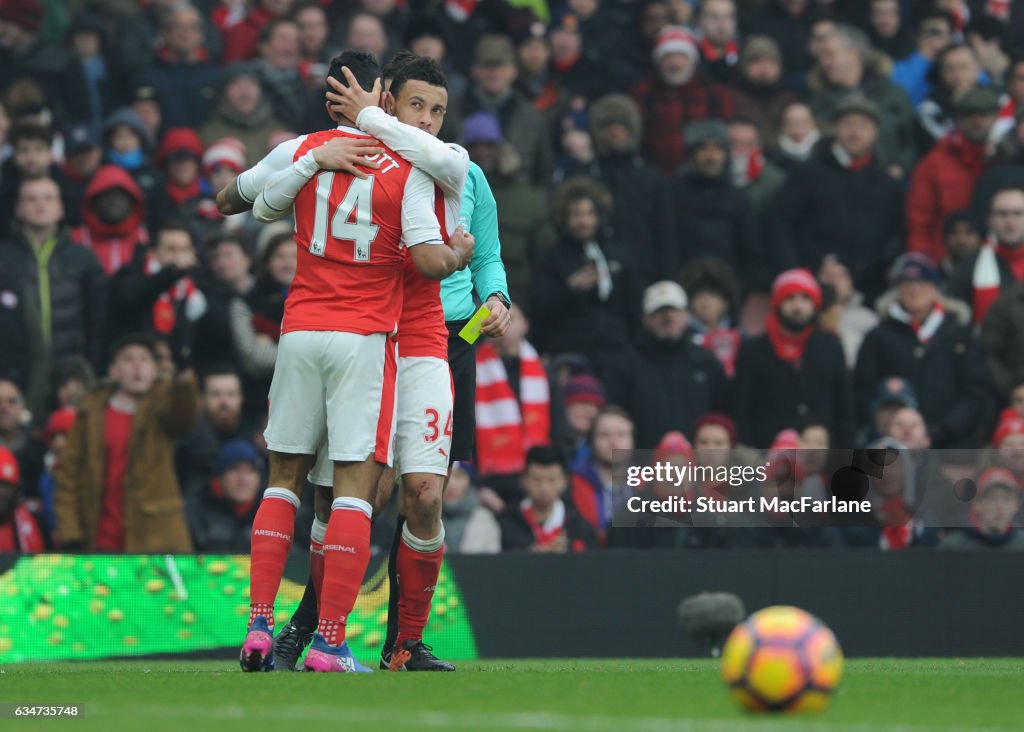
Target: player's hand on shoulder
{"x": 348, "y": 155}
{"x": 349, "y": 101}
{"x": 464, "y": 244}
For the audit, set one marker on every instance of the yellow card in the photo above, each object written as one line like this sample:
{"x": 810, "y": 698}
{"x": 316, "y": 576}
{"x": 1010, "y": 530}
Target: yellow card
{"x": 471, "y": 331}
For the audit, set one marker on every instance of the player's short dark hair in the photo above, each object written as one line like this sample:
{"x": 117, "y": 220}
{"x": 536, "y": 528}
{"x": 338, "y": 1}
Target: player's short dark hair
{"x": 417, "y": 68}
{"x": 21, "y": 132}
{"x": 401, "y": 58}
{"x": 128, "y": 340}
{"x": 362, "y": 64}
{"x": 545, "y": 457}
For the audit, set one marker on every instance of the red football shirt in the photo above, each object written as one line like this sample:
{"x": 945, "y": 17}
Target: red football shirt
{"x": 421, "y": 329}
{"x": 117, "y": 437}
{"x": 350, "y": 235}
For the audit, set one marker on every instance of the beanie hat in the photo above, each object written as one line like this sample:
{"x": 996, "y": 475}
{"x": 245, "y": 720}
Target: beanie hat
{"x": 584, "y": 388}
{"x": 794, "y": 282}
{"x": 675, "y": 39}
{"x": 991, "y": 477}
{"x": 481, "y": 127}
{"x": 178, "y": 140}
{"x": 1010, "y": 425}
{"x": 721, "y": 420}
{"x": 228, "y": 151}
{"x": 234, "y": 453}
{"x": 673, "y": 443}
{"x": 26, "y": 14}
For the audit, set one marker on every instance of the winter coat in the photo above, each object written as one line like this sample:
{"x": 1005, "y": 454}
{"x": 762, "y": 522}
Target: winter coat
{"x": 567, "y": 320}
{"x": 942, "y": 183}
{"x": 947, "y": 373}
{"x": 216, "y": 527}
{"x": 666, "y": 110}
{"x": 772, "y": 395}
{"x": 1002, "y": 340}
{"x": 154, "y": 513}
{"x": 77, "y": 291}
{"x": 186, "y": 91}
{"x": 524, "y": 128}
{"x": 713, "y": 218}
{"x": 897, "y": 133}
{"x": 666, "y": 386}
{"x": 827, "y": 208}
{"x": 524, "y": 223}
{"x": 253, "y": 131}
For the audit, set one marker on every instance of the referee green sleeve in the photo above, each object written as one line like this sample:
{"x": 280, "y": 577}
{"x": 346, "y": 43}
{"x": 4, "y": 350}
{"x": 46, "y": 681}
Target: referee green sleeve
{"x": 486, "y": 271}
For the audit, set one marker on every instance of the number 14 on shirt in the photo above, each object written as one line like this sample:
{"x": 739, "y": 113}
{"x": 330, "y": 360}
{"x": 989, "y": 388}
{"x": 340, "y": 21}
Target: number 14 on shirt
{"x": 351, "y": 221}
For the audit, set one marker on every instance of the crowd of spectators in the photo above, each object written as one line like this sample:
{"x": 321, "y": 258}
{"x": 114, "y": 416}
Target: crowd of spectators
{"x": 730, "y": 227}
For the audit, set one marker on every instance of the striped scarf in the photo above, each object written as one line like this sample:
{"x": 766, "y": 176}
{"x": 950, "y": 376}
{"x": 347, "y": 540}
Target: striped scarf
{"x": 987, "y": 280}
{"x": 183, "y": 291}
{"x": 925, "y": 329}
{"x": 506, "y": 427}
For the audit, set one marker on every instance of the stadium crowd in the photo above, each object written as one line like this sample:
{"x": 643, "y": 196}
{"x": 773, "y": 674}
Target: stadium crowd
{"x": 729, "y": 227}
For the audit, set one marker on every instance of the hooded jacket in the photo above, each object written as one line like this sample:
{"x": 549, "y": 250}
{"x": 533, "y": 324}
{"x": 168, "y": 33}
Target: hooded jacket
{"x": 642, "y": 211}
{"x": 113, "y": 244}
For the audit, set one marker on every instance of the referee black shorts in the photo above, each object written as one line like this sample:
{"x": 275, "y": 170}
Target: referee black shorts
{"x": 462, "y": 361}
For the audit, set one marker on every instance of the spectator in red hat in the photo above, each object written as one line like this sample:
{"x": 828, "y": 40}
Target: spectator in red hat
{"x": 584, "y": 398}
{"x": 114, "y": 215}
{"x": 992, "y": 515}
{"x": 921, "y": 340}
{"x": 178, "y": 156}
{"x": 19, "y": 533}
{"x": 641, "y": 530}
{"x": 795, "y": 374}
{"x": 676, "y": 92}
{"x": 1008, "y": 444}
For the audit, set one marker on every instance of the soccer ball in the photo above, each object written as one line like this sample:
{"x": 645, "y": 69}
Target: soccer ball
{"x": 782, "y": 659}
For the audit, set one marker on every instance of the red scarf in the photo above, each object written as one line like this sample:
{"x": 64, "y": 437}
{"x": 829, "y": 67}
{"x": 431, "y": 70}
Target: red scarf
{"x": 725, "y": 344}
{"x": 789, "y": 347}
{"x": 21, "y": 534}
{"x": 987, "y": 280}
{"x": 923, "y": 329}
{"x": 164, "y": 316}
{"x": 897, "y": 524}
{"x": 182, "y": 194}
{"x": 164, "y": 54}
{"x": 551, "y": 529}
{"x": 712, "y": 53}
{"x": 239, "y": 509}
{"x": 505, "y": 427}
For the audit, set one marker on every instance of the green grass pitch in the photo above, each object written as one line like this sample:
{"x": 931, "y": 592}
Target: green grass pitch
{"x": 896, "y": 695}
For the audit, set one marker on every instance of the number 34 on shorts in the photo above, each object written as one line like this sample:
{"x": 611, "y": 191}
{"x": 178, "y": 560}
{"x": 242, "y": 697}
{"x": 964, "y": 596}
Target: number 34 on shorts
{"x": 434, "y": 430}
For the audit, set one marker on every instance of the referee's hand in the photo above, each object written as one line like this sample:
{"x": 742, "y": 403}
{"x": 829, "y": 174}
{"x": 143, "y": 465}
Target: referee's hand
{"x": 498, "y": 321}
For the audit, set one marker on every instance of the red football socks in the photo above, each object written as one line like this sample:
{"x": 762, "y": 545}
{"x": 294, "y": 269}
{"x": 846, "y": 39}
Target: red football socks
{"x": 418, "y": 564}
{"x": 272, "y": 531}
{"x": 346, "y": 554}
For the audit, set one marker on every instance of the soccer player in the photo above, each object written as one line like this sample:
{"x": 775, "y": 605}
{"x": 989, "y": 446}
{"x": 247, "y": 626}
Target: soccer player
{"x": 335, "y": 373}
{"x": 416, "y": 94}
